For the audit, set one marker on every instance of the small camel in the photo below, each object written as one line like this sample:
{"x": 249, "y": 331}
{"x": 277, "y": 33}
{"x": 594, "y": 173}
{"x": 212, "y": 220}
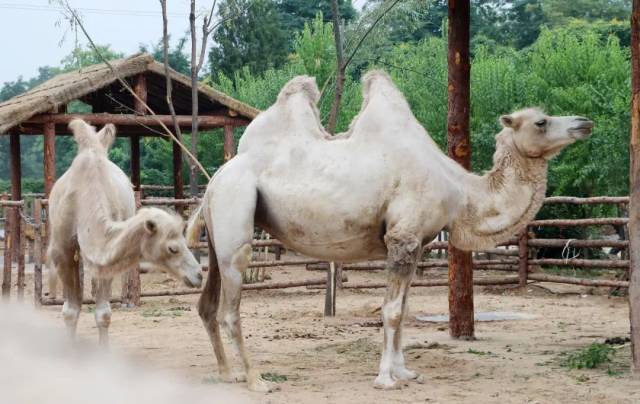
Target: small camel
{"x": 92, "y": 215}
{"x": 381, "y": 190}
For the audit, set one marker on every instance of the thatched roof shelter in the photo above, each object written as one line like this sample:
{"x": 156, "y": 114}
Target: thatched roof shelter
{"x": 43, "y": 111}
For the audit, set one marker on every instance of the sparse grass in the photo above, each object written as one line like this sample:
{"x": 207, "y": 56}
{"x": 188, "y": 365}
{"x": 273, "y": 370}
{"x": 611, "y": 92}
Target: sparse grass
{"x": 171, "y": 312}
{"x": 590, "y": 357}
{"x": 274, "y": 377}
{"x": 586, "y": 273}
{"x": 481, "y": 353}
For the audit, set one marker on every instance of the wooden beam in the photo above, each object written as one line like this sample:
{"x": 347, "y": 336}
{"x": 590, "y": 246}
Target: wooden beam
{"x": 49, "y": 157}
{"x": 204, "y": 121}
{"x": 461, "y": 323}
{"x": 634, "y": 187}
{"x": 229, "y": 143}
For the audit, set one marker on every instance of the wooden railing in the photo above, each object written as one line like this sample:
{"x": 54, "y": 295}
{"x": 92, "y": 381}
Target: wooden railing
{"x": 515, "y": 257}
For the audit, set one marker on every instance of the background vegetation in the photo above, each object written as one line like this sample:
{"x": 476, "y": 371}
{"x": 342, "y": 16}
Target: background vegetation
{"x": 566, "y": 57}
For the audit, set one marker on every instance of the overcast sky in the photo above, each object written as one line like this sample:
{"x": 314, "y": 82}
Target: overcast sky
{"x": 31, "y": 36}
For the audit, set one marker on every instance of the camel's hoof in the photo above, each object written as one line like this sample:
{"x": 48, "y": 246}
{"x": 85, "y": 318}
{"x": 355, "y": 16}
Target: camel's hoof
{"x": 408, "y": 375}
{"x": 262, "y": 386}
{"x": 234, "y": 378}
{"x": 386, "y": 383}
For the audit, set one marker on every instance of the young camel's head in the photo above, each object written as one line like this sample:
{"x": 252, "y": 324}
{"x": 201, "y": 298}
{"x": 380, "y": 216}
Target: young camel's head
{"x": 537, "y": 135}
{"x": 87, "y": 138}
{"x": 164, "y": 246}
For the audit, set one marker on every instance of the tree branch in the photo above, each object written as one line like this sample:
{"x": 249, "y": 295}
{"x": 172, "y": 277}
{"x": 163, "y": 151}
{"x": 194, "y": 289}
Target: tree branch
{"x": 66, "y": 7}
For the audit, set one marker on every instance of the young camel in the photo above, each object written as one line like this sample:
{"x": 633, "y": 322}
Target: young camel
{"x": 382, "y": 189}
{"x": 92, "y": 215}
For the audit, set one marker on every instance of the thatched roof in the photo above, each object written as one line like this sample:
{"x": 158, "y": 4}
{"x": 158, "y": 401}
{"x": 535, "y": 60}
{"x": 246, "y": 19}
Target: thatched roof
{"x": 97, "y": 86}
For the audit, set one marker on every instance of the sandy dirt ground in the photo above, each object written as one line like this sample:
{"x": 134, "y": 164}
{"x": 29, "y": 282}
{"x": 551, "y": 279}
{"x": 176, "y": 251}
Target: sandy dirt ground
{"x": 335, "y": 360}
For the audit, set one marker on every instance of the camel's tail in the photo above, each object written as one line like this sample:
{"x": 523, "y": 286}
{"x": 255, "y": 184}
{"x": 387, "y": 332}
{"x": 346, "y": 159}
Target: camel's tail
{"x": 195, "y": 225}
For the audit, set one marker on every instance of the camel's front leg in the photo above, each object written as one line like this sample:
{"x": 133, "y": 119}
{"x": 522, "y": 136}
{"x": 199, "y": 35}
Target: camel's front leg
{"x": 103, "y": 310}
{"x": 66, "y": 266}
{"x": 402, "y": 256}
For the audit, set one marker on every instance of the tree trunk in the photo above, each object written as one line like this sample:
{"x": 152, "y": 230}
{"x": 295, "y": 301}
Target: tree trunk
{"x": 634, "y": 187}
{"x": 340, "y": 68}
{"x": 460, "y": 266}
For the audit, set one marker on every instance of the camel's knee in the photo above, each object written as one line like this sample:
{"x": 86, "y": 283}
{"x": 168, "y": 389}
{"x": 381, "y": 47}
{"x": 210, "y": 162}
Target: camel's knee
{"x": 230, "y": 322}
{"x": 103, "y": 316}
{"x": 392, "y": 313}
{"x": 402, "y": 251}
{"x": 70, "y": 314}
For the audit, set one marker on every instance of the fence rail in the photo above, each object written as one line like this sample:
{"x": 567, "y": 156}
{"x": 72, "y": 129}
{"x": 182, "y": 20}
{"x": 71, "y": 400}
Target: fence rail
{"x": 513, "y": 256}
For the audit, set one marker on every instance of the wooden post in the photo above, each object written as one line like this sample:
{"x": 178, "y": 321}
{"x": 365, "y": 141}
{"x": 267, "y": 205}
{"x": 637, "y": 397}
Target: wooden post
{"x": 134, "y": 142}
{"x": 140, "y": 89}
{"x": 634, "y": 187}
{"x": 178, "y": 183}
{"x": 49, "y": 157}
{"x": 131, "y": 284}
{"x": 330, "y": 293}
{"x": 229, "y": 143}
{"x": 523, "y": 256}
{"x": 16, "y": 191}
{"x": 37, "y": 239}
{"x": 21, "y": 243}
{"x": 8, "y": 247}
{"x": 460, "y": 265}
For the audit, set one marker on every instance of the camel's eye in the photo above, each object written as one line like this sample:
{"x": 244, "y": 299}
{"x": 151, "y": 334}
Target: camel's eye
{"x": 173, "y": 250}
{"x": 541, "y": 123}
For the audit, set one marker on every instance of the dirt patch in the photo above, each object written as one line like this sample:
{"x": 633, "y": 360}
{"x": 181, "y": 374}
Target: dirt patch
{"x": 335, "y": 360}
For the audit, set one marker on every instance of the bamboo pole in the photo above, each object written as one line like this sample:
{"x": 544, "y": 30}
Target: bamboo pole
{"x": 21, "y": 241}
{"x": 37, "y": 269}
{"x": 580, "y": 222}
{"x": 542, "y": 242}
{"x": 8, "y": 247}
{"x": 461, "y": 323}
{"x": 634, "y": 187}
{"x": 576, "y": 281}
{"x": 576, "y": 262}
{"x": 49, "y": 158}
{"x": 523, "y": 255}
{"x": 586, "y": 201}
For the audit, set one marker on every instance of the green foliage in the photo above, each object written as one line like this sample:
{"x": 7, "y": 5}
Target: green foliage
{"x": 250, "y": 36}
{"x": 590, "y": 357}
{"x": 316, "y": 49}
{"x": 178, "y": 59}
{"x": 295, "y": 14}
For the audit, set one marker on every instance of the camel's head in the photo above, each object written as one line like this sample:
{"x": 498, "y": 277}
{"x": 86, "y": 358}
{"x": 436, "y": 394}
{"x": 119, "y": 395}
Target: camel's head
{"x": 538, "y": 135}
{"x": 88, "y": 139}
{"x": 164, "y": 246}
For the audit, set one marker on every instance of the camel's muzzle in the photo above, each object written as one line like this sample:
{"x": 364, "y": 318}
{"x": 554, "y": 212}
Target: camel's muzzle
{"x": 193, "y": 283}
{"x": 582, "y": 129}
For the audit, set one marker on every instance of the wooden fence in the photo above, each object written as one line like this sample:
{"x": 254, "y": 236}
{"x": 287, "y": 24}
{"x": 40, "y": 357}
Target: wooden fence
{"x": 516, "y": 256}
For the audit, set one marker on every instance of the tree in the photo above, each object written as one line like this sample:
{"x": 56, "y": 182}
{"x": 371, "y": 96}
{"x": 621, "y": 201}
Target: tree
{"x": 178, "y": 59}
{"x": 296, "y": 13}
{"x": 251, "y": 35}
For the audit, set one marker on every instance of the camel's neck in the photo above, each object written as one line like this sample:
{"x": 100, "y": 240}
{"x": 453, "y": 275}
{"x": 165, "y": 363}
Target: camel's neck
{"x": 107, "y": 240}
{"x": 500, "y": 203}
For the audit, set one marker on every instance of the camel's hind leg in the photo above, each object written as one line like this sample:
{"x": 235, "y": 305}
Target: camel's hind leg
{"x": 402, "y": 257}
{"x": 68, "y": 269}
{"x": 208, "y": 310}
{"x": 103, "y": 309}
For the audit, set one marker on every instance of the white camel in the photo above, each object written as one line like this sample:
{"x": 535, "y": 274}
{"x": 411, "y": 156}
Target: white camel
{"x": 382, "y": 189}
{"x": 92, "y": 216}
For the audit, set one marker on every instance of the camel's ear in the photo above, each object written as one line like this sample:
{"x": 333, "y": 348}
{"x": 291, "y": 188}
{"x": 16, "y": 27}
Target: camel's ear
{"x": 107, "y": 135}
{"x": 508, "y": 121}
{"x": 150, "y": 226}
{"x": 82, "y": 133}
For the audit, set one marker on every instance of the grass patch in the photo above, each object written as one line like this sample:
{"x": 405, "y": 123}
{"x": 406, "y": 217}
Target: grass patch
{"x": 585, "y": 273}
{"x": 590, "y": 357}
{"x": 172, "y": 312}
{"x": 481, "y": 353}
{"x": 274, "y": 377}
